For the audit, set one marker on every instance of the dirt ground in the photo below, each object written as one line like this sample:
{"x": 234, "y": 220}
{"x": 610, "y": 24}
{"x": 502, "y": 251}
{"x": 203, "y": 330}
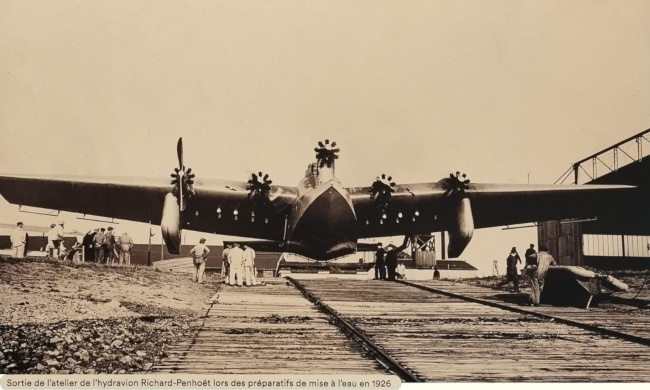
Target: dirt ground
{"x": 73, "y": 318}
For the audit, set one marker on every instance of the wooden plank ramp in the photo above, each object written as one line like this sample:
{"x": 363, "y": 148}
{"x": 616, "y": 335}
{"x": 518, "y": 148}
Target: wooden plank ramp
{"x": 630, "y": 320}
{"x": 441, "y": 338}
{"x": 267, "y": 329}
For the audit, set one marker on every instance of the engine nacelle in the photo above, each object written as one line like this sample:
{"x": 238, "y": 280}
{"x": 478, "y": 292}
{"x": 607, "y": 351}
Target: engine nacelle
{"x": 461, "y": 228}
{"x": 170, "y": 224}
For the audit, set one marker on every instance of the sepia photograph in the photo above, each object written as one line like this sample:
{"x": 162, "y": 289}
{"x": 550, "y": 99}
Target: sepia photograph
{"x": 346, "y": 193}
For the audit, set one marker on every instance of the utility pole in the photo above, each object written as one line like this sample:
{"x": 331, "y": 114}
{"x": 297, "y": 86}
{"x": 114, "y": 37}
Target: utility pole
{"x": 149, "y": 246}
{"x": 444, "y": 245}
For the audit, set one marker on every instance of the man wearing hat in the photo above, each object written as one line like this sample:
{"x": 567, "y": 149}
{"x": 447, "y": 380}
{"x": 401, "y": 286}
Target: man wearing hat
{"x": 18, "y": 241}
{"x": 511, "y": 270}
{"x": 391, "y": 258}
{"x": 100, "y": 245}
{"x": 531, "y": 255}
{"x": 200, "y": 254}
{"x": 110, "y": 246}
{"x": 56, "y": 236}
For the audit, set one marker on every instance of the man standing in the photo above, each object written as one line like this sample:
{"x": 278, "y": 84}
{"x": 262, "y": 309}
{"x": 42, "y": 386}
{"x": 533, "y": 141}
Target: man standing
{"x": 199, "y": 254}
{"x": 100, "y": 244}
{"x": 51, "y": 236}
{"x": 89, "y": 246}
{"x": 225, "y": 267}
{"x": 125, "y": 243}
{"x": 544, "y": 260}
{"x": 54, "y": 237}
{"x": 391, "y": 258}
{"x": 110, "y": 247}
{"x": 511, "y": 271}
{"x": 380, "y": 265}
{"x": 18, "y": 241}
{"x": 236, "y": 260}
{"x": 249, "y": 266}
{"x": 531, "y": 258}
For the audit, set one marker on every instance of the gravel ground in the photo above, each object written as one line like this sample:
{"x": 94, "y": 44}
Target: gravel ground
{"x": 61, "y": 317}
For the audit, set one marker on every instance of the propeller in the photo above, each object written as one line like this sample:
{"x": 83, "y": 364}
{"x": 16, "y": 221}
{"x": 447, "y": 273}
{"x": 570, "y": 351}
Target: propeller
{"x": 259, "y": 187}
{"x": 455, "y": 185}
{"x": 381, "y": 190}
{"x": 326, "y": 153}
{"x": 182, "y": 180}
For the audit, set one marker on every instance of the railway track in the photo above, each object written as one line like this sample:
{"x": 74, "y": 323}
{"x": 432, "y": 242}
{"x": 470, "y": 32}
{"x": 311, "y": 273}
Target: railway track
{"x": 418, "y": 331}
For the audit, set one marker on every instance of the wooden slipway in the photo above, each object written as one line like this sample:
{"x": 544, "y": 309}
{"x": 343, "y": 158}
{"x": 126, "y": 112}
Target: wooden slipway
{"x": 436, "y": 336}
{"x": 441, "y": 338}
{"x": 267, "y": 329}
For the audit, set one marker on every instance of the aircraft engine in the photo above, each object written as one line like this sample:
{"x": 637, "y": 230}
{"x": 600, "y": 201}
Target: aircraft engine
{"x": 461, "y": 221}
{"x": 461, "y": 228}
{"x": 381, "y": 191}
{"x": 326, "y": 153}
{"x": 171, "y": 224}
{"x": 259, "y": 187}
{"x": 175, "y": 202}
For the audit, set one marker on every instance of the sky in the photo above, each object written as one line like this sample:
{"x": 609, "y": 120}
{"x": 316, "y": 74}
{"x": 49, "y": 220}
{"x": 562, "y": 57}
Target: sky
{"x": 505, "y": 91}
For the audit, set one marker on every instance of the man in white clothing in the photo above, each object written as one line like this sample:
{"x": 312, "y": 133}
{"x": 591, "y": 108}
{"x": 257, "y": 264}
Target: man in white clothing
{"x": 249, "y": 266}
{"x": 18, "y": 241}
{"x": 236, "y": 262}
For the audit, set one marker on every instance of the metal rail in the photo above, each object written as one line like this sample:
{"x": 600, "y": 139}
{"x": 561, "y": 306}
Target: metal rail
{"x": 561, "y": 320}
{"x": 378, "y": 353}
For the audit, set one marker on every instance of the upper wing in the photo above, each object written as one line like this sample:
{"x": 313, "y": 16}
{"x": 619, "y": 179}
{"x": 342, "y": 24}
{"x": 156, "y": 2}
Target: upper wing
{"x": 211, "y": 210}
{"x": 424, "y": 207}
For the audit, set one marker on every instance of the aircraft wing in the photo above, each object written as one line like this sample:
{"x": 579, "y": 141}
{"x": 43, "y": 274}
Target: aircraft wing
{"x": 426, "y": 207}
{"x": 211, "y": 209}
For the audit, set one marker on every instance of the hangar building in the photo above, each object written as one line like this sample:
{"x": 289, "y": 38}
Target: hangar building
{"x": 620, "y": 238}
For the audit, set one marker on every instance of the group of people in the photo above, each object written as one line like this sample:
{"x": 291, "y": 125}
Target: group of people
{"x": 536, "y": 268}
{"x": 386, "y": 265}
{"x": 238, "y": 265}
{"x": 101, "y": 246}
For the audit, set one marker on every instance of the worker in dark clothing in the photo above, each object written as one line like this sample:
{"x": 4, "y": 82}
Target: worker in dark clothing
{"x": 89, "y": 246}
{"x": 380, "y": 265}
{"x": 436, "y": 273}
{"x": 391, "y": 258}
{"x": 511, "y": 271}
{"x": 531, "y": 255}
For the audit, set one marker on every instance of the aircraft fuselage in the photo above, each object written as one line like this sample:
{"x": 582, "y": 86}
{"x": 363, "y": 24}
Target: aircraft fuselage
{"x": 322, "y": 223}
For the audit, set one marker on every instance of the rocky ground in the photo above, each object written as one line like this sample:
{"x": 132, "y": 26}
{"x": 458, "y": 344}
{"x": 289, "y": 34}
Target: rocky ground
{"x": 60, "y": 317}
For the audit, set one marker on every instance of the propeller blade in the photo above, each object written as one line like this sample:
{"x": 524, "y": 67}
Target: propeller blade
{"x": 179, "y": 151}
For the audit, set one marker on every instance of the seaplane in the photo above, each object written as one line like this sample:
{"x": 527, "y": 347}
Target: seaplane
{"x": 319, "y": 218}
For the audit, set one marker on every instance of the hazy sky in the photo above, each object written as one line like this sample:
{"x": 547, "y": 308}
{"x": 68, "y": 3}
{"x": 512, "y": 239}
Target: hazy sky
{"x": 415, "y": 89}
